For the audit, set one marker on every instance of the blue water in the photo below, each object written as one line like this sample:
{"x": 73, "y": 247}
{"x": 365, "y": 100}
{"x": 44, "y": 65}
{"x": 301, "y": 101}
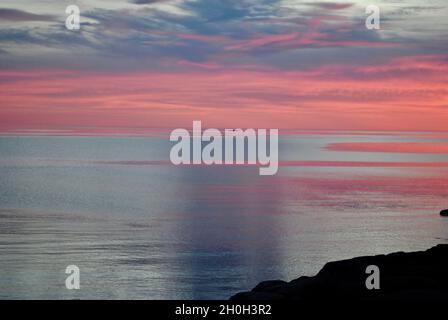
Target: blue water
{"x": 140, "y": 230}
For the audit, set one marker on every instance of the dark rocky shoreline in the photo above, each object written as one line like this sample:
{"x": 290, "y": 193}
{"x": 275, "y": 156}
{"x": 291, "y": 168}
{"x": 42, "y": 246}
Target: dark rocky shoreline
{"x": 413, "y": 276}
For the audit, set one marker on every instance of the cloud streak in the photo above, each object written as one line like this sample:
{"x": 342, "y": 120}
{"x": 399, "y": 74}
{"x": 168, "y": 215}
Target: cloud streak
{"x": 329, "y": 97}
{"x": 14, "y": 15}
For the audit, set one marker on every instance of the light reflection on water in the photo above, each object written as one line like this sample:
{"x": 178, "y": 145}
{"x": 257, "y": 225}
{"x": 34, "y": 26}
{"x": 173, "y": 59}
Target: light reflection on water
{"x": 164, "y": 232}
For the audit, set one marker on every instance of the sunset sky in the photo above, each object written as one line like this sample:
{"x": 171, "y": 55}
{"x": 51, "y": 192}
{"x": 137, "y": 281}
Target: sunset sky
{"x": 292, "y": 64}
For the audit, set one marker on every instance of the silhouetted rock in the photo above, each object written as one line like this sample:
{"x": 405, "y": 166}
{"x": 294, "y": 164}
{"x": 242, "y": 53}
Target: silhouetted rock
{"x": 444, "y": 213}
{"x": 269, "y": 286}
{"x": 412, "y": 276}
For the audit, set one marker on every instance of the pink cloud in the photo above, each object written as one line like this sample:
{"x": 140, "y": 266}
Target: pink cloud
{"x": 199, "y": 65}
{"x": 328, "y": 97}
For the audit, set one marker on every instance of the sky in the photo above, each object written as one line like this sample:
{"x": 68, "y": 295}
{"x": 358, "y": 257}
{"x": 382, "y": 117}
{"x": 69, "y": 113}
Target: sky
{"x": 160, "y": 64}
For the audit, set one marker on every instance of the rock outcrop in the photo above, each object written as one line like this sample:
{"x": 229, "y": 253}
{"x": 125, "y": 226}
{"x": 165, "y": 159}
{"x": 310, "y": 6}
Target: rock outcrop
{"x": 414, "y": 276}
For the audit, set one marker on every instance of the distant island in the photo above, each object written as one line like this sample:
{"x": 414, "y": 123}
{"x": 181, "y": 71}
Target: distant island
{"x": 413, "y": 276}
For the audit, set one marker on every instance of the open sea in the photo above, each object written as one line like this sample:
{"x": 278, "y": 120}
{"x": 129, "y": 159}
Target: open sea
{"x": 139, "y": 227}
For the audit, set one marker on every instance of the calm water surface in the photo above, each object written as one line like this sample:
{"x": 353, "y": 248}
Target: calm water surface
{"x": 142, "y": 229}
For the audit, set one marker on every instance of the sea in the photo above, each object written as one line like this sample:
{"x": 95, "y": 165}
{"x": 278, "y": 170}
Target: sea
{"x": 139, "y": 227}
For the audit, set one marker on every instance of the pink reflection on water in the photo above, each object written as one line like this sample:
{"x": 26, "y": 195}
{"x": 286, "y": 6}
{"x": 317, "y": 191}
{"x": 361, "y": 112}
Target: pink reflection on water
{"x": 330, "y": 191}
{"x": 394, "y": 147}
{"x": 285, "y": 163}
